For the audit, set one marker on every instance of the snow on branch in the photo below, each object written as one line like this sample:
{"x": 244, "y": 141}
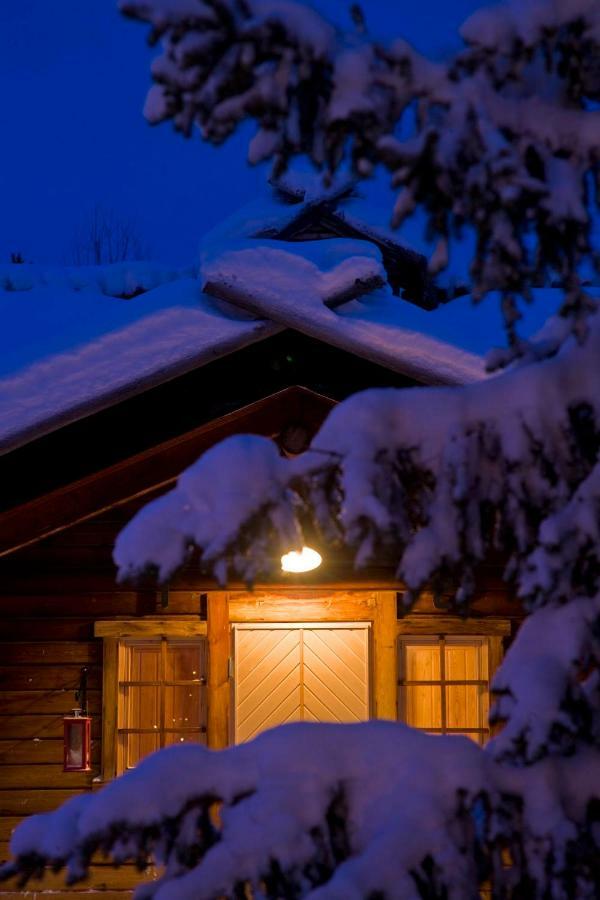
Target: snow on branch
{"x": 433, "y": 479}
{"x": 329, "y": 812}
{"x": 503, "y": 140}
{"x": 547, "y": 689}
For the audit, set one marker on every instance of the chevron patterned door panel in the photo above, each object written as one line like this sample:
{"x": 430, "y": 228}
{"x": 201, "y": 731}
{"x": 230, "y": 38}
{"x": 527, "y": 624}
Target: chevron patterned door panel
{"x": 299, "y": 672}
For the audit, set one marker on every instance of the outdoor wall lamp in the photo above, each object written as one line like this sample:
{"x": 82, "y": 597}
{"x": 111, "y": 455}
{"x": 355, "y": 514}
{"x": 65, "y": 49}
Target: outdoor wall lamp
{"x": 304, "y": 561}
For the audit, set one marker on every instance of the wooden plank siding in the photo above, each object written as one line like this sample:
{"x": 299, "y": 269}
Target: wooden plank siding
{"x": 38, "y": 677}
{"x": 49, "y": 607}
{"x": 45, "y": 639}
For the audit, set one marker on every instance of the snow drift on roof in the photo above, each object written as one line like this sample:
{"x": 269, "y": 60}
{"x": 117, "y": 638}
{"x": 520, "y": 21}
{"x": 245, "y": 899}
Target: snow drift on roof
{"x": 124, "y": 279}
{"x": 283, "y": 283}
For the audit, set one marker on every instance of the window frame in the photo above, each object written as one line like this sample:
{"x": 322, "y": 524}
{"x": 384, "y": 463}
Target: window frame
{"x": 492, "y": 630}
{"x": 115, "y": 635}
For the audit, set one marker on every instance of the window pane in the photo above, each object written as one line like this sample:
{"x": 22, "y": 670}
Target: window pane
{"x": 195, "y": 737}
{"x": 141, "y": 708}
{"x": 422, "y": 706}
{"x": 464, "y": 706}
{"x": 183, "y": 707}
{"x": 143, "y": 661}
{"x": 185, "y": 661}
{"x": 136, "y": 746}
{"x": 466, "y": 661}
{"x": 422, "y": 661}
{"x": 74, "y": 744}
{"x": 165, "y": 713}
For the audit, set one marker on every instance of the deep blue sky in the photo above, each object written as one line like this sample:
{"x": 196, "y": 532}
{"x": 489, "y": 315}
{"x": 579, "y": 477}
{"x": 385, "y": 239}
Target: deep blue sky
{"x": 73, "y": 77}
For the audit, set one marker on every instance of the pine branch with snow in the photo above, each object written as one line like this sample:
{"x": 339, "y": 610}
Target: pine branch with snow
{"x": 305, "y": 812}
{"x": 503, "y": 141}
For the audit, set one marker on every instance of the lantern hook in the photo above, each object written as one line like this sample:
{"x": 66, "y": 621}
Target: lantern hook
{"x": 81, "y": 692}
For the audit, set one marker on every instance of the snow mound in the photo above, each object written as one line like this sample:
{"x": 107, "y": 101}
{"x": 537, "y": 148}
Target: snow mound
{"x": 126, "y": 279}
{"x": 295, "y": 285}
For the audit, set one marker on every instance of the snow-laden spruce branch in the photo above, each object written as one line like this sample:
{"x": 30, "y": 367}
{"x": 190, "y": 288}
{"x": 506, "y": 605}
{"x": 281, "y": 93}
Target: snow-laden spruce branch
{"x": 502, "y": 142}
{"x": 334, "y": 812}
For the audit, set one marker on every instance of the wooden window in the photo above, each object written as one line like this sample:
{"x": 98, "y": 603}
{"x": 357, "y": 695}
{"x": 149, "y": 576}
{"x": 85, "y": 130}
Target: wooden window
{"x": 444, "y": 683}
{"x": 161, "y": 696}
{"x": 154, "y": 689}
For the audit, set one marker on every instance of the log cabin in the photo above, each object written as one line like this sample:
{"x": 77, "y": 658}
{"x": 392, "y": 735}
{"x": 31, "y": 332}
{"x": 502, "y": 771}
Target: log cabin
{"x": 103, "y": 403}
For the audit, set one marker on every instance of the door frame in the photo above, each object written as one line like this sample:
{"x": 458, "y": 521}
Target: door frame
{"x": 296, "y": 604}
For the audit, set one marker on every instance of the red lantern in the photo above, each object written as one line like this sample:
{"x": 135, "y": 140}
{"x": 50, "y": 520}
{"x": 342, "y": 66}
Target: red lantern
{"x": 77, "y": 742}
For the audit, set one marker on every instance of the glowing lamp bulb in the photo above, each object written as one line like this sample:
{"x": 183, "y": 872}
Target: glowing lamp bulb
{"x": 305, "y": 561}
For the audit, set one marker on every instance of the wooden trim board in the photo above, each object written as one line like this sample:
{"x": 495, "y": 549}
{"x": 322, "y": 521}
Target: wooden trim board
{"x": 441, "y": 624}
{"x": 180, "y": 626}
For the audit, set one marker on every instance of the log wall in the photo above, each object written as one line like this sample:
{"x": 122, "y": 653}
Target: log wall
{"x": 49, "y": 602}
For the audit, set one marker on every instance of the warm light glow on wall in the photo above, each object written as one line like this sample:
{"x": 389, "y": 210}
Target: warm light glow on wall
{"x": 305, "y": 561}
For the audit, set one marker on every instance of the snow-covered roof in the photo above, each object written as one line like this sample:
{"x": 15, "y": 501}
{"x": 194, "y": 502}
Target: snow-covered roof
{"x": 75, "y": 341}
{"x": 301, "y": 208}
{"x": 291, "y": 288}
{"x": 68, "y": 353}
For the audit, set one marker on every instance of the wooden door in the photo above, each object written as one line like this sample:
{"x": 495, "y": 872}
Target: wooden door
{"x": 299, "y": 672}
